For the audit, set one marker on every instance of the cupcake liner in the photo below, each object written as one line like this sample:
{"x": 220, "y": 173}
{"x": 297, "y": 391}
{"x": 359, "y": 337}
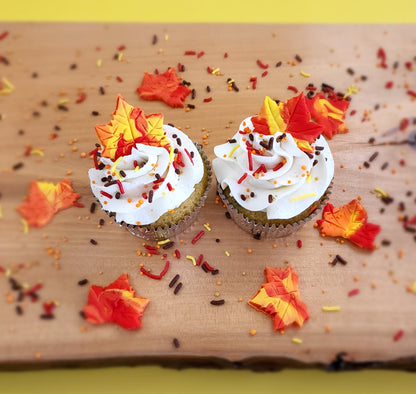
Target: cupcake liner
{"x": 161, "y": 233}
{"x": 260, "y": 230}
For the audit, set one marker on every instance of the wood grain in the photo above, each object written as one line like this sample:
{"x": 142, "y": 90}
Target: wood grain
{"x": 366, "y": 323}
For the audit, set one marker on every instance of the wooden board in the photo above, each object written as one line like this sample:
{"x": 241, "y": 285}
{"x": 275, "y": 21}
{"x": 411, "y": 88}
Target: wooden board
{"x": 66, "y": 58}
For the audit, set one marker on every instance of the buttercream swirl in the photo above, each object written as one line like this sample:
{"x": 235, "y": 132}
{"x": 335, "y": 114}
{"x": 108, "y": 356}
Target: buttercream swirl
{"x": 150, "y": 181}
{"x": 269, "y": 173}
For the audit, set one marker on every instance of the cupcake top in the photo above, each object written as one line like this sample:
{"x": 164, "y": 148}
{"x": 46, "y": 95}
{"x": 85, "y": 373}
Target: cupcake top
{"x": 277, "y": 162}
{"x": 143, "y": 168}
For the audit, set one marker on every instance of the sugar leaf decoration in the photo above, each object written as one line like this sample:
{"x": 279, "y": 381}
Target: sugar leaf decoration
{"x": 164, "y": 87}
{"x": 115, "y": 303}
{"x": 349, "y": 221}
{"x": 128, "y": 126}
{"x": 329, "y": 112}
{"x": 45, "y": 199}
{"x": 280, "y": 299}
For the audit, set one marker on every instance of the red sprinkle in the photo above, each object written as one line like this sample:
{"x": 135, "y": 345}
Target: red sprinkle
{"x": 27, "y": 150}
{"x": 207, "y": 100}
{"x": 411, "y": 93}
{"x": 262, "y": 168}
{"x": 389, "y": 85}
{"x": 4, "y": 35}
{"x": 199, "y": 260}
{"x": 311, "y": 87}
{"x": 353, "y": 112}
{"x": 207, "y": 266}
{"x": 398, "y": 335}
{"x": 225, "y": 54}
{"x": 189, "y": 155}
{"x": 279, "y": 166}
{"x": 81, "y": 98}
{"x": 33, "y": 289}
{"x": 381, "y": 54}
{"x": 198, "y": 236}
{"x": 242, "y": 178}
{"x": 48, "y": 307}
{"x": 169, "y": 186}
{"x": 353, "y": 292}
{"x": 209, "y": 69}
{"x": 261, "y": 64}
{"x": 152, "y": 276}
{"x": 292, "y": 88}
{"x": 299, "y": 243}
{"x": 156, "y": 72}
{"x": 250, "y": 160}
{"x": 121, "y": 48}
{"x": 200, "y": 54}
{"x": 119, "y": 79}
{"x": 264, "y": 73}
{"x": 105, "y": 194}
{"x": 177, "y": 254}
{"x": 190, "y": 53}
{"x": 120, "y": 186}
{"x": 404, "y": 123}
{"x": 408, "y": 65}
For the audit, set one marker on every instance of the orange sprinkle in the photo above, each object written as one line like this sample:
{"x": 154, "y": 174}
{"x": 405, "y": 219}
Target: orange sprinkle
{"x": 138, "y": 223}
{"x": 253, "y": 332}
{"x": 400, "y": 254}
{"x": 249, "y": 250}
{"x": 240, "y": 299}
{"x": 218, "y": 283}
{"x": 373, "y": 286}
{"x": 129, "y": 200}
{"x": 327, "y": 328}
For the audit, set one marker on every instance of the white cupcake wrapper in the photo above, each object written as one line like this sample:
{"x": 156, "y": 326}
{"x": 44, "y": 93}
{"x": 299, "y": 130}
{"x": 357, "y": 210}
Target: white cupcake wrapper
{"x": 259, "y": 230}
{"x": 161, "y": 233}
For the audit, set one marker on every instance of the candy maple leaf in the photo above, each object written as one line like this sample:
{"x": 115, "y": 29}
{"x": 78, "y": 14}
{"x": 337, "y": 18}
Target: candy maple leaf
{"x": 115, "y": 303}
{"x": 280, "y": 299}
{"x": 350, "y": 222}
{"x": 329, "y": 113}
{"x": 164, "y": 87}
{"x": 128, "y": 126}
{"x": 45, "y": 199}
{"x": 291, "y": 116}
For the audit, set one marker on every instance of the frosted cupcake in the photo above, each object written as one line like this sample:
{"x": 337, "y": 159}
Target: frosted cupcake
{"x": 276, "y": 171}
{"x": 148, "y": 176}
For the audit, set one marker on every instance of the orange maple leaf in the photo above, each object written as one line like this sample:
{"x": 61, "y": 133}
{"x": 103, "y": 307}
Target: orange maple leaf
{"x": 164, "y": 87}
{"x": 280, "y": 299}
{"x": 116, "y": 303}
{"x": 128, "y": 126}
{"x": 329, "y": 113}
{"x": 45, "y": 200}
{"x": 349, "y": 221}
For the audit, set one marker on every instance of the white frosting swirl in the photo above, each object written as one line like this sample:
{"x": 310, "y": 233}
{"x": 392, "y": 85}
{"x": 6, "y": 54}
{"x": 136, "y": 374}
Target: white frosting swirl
{"x": 133, "y": 205}
{"x": 281, "y": 190}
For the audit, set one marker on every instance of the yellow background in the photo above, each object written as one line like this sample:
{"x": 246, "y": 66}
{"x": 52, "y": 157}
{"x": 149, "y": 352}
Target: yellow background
{"x": 153, "y": 379}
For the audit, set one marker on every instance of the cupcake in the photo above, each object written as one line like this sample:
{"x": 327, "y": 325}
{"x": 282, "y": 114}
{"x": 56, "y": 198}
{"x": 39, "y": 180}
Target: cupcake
{"x": 276, "y": 171}
{"x": 150, "y": 177}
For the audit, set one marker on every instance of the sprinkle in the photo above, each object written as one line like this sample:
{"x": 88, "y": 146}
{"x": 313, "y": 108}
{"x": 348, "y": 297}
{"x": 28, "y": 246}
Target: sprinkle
{"x": 331, "y": 308}
{"x": 218, "y": 302}
{"x": 227, "y": 253}
{"x": 37, "y": 152}
{"x": 381, "y": 54}
{"x": 192, "y": 259}
{"x": 398, "y": 335}
{"x": 206, "y": 225}
{"x": 353, "y": 292}
{"x": 306, "y": 75}
{"x": 207, "y": 100}
{"x": 297, "y": 340}
{"x": 207, "y": 266}
{"x": 105, "y": 194}
{"x": 261, "y": 64}
{"x": 198, "y": 262}
{"x": 8, "y": 86}
{"x": 152, "y": 276}
{"x": 25, "y": 226}
{"x": 168, "y": 245}
{"x": 187, "y": 53}
{"x": 82, "y": 97}
{"x": 177, "y": 288}
{"x": 174, "y": 280}
{"x": 339, "y": 259}
{"x": 198, "y": 236}
{"x": 177, "y": 254}
{"x": 299, "y": 243}
{"x": 82, "y": 282}
{"x": 33, "y": 289}
{"x": 242, "y": 178}
{"x": 17, "y": 166}
{"x": 264, "y": 73}
{"x": 302, "y": 196}
{"x": 293, "y": 89}
{"x": 233, "y": 150}
{"x": 252, "y": 332}
{"x": 93, "y": 241}
{"x": 176, "y": 343}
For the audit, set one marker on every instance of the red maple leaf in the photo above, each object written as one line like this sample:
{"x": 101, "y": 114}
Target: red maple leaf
{"x": 164, "y": 87}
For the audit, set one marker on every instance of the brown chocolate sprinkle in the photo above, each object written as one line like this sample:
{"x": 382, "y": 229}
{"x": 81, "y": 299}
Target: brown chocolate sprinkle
{"x": 15, "y": 284}
{"x": 95, "y": 113}
{"x": 385, "y": 165}
{"x": 366, "y": 164}
{"x": 62, "y": 107}
{"x": 177, "y": 288}
{"x": 167, "y": 245}
{"x": 298, "y": 58}
{"x": 193, "y": 94}
{"x": 338, "y": 259}
{"x": 117, "y": 195}
{"x": 278, "y": 64}
{"x": 17, "y": 166}
{"x": 350, "y": 71}
{"x": 190, "y": 106}
{"x": 73, "y": 66}
{"x": 93, "y": 241}
{"x": 154, "y": 39}
{"x": 122, "y": 173}
{"x": 47, "y": 316}
{"x": 386, "y": 242}
{"x": 92, "y": 207}
{"x": 205, "y": 268}
{"x": 371, "y": 140}
{"x": 150, "y": 198}
{"x": 19, "y": 310}
{"x": 83, "y": 282}
{"x": 174, "y": 280}
{"x": 176, "y": 343}
{"x": 101, "y": 222}
{"x": 270, "y": 198}
{"x": 373, "y": 156}
{"x": 82, "y": 314}
{"x": 218, "y": 302}
{"x": 101, "y": 90}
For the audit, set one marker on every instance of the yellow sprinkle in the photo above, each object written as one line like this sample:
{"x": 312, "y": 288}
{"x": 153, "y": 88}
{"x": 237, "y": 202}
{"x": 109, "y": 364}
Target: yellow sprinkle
{"x": 113, "y": 168}
{"x": 227, "y": 253}
{"x": 8, "y": 273}
{"x": 302, "y": 196}
{"x": 25, "y": 226}
{"x": 331, "y": 308}
{"x": 63, "y": 101}
{"x": 296, "y": 340}
{"x": 230, "y": 81}
{"x": 166, "y": 37}
{"x": 8, "y": 86}
{"x": 137, "y": 168}
{"x": 351, "y": 90}
{"x": 308, "y": 179}
{"x": 192, "y": 259}
{"x": 207, "y": 227}
{"x": 1, "y": 212}
{"x": 37, "y": 152}
{"x": 120, "y": 57}
{"x": 307, "y": 75}
{"x": 233, "y": 150}
{"x": 215, "y": 70}
{"x": 165, "y": 241}
{"x": 2, "y": 116}
{"x": 380, "y": 192}
{"x": 99, "y": 62}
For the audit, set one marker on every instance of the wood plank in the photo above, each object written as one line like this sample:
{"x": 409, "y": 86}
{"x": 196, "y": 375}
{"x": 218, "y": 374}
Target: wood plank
{"x": 366, "y": 324}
